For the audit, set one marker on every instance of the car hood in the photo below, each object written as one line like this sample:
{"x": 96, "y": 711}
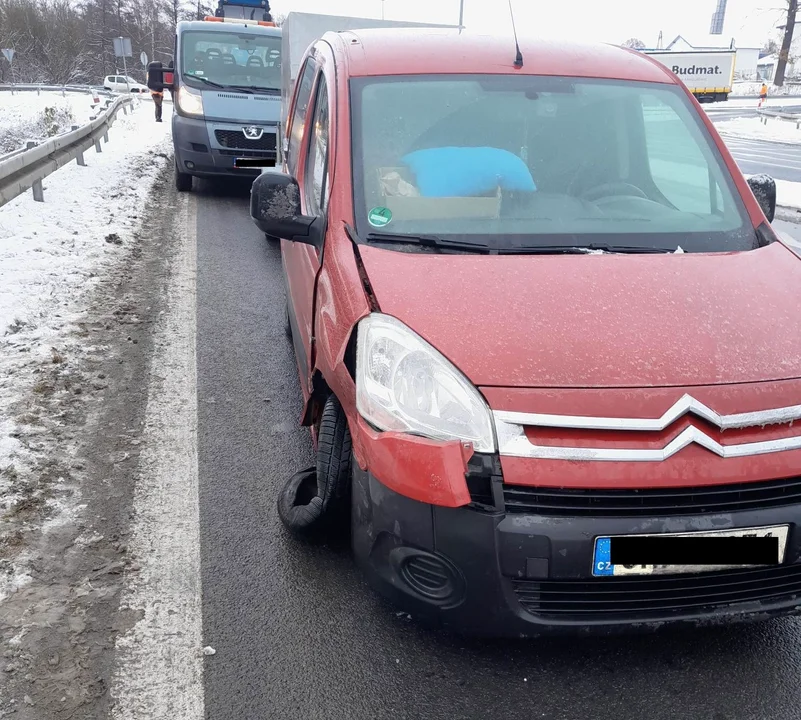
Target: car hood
{"x": 238, "y": 107}
{"x": 600, "y": 320}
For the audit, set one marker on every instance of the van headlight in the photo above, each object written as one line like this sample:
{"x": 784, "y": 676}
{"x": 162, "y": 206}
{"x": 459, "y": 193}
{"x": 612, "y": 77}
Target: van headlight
{"x": 403, "y": 384}
{"x": 189, "y": 102}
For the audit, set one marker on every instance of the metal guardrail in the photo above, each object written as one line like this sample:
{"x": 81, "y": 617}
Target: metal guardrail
{"x": 779, "y": 115}
{"x": 25, "y": 169}
{"x": 63, "y": 89}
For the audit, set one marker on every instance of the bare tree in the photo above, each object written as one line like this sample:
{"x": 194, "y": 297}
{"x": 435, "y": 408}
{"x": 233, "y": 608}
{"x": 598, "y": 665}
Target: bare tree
{"x": 787, "y": 41}
{"x": 634, "y": 43}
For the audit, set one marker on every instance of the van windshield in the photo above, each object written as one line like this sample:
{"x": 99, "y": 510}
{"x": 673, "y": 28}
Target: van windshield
{"x": 516, "y": 162}
{"x": 232, "y": 59}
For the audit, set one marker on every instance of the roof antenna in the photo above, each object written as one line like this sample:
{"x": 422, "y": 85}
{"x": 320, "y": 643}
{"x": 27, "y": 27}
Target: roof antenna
{"x": 519, "y": 56}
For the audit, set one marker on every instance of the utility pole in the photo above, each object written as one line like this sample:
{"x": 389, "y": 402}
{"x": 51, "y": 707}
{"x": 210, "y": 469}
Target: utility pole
{"x": 461, "y": 15}
{"x": 382, "y": 9}
{"x": 787, "y": 41}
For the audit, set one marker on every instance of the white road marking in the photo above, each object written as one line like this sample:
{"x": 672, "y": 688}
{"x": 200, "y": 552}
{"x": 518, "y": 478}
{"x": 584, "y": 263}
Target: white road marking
{"x": 159, "y": 672}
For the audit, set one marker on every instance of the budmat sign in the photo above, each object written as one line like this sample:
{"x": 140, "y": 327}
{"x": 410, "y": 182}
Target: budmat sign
{"x": 697, "y": 70}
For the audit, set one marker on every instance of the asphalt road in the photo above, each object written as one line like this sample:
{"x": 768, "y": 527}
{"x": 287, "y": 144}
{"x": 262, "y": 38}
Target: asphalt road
{"x": 729, "y": 111}
{"x": 780, "y": 161}
{"x": 296, "y": 631}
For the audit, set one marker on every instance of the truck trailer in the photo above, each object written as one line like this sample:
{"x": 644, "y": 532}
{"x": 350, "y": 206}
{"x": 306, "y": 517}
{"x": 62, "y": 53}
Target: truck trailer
{"x": 708, "y": 74}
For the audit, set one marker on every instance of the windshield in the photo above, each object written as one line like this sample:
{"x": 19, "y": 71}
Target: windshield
{"x": 511, "y": 162}
{"x": 232, "y": 59}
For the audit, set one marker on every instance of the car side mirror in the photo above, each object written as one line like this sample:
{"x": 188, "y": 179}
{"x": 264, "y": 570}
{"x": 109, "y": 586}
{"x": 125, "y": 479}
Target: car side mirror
{"x": 275, "y": 208}
{"x": 764, "y": 189}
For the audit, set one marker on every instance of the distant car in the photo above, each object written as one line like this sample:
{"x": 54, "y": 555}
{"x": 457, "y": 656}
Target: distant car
{"x": 121, "y": 83}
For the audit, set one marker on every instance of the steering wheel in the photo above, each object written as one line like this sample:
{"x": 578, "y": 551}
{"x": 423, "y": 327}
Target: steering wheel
{"x": 611, "y": 189}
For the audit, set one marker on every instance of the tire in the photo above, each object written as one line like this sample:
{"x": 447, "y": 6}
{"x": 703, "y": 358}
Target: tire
{"x": 183, "y": 181}
{"x": 317, "y": 500}
{"x": 287, "y": 323}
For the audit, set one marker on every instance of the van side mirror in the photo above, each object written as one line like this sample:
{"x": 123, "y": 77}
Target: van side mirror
{"x": 764, "y": 189}
{"x": 275, "y": 208}
{"x": 159, "y": 77}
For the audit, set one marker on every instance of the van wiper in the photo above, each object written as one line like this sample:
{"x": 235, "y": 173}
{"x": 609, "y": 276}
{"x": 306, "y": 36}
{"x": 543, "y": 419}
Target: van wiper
{"x": 258, "y": 88}
{"x": 583, "y": 249}
{"x": 433, "y": 241}
{"x": 207, "y": 81}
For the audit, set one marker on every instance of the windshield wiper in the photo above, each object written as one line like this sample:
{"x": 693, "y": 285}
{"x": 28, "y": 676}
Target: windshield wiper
{"x": 207, "y": 81}
{"x": 633, "y": 249}
{"x": 583, "y": 249}
{"x": 258, "y": 88}
{"x": 433, "y": 241}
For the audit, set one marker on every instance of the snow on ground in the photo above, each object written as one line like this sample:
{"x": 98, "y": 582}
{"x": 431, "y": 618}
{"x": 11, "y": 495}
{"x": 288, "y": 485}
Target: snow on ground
{"x": 752, "y": 128}
{"x": 52, "y": 253}
{"x": 751, "y": 89}
{"x": 788, "y": 194}
{"x": 30, "y": 116}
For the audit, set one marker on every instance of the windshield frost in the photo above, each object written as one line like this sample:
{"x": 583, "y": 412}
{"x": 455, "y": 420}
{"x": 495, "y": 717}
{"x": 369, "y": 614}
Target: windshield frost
{"x": 527, "y": 160}
{"x": 233, "y": 59}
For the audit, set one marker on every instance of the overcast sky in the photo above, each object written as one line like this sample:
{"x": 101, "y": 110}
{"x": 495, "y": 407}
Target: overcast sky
{"x": 750, "y": 22}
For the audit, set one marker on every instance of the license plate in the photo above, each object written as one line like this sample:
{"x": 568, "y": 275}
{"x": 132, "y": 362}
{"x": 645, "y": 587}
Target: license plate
{"x": 254, "y": 163}
{"x": 602, "y": 566}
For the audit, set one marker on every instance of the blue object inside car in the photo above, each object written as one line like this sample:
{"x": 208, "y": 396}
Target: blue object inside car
{"x": 467, "y": 171}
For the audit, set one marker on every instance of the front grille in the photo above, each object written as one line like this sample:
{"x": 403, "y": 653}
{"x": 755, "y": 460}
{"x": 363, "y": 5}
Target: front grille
{"x": 650, "y": 503}
{"x": 236, "y": 139}
{"x": 658, "y": 596}
{"x": 246, "y": 153}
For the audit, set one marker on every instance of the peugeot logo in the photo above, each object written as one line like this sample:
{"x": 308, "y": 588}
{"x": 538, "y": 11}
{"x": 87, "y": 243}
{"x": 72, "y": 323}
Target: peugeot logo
{"x": 252, "y": 133}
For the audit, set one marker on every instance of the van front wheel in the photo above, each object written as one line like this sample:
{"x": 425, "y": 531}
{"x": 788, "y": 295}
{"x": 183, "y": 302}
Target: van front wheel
{"x": 183, "y": 181}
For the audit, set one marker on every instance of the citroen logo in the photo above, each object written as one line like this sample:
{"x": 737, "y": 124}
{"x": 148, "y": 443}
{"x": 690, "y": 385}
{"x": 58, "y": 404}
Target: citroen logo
{"x": 252, "y": 132}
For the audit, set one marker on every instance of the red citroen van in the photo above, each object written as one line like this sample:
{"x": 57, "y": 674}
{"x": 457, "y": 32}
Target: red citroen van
{"x": 548, "y": 341}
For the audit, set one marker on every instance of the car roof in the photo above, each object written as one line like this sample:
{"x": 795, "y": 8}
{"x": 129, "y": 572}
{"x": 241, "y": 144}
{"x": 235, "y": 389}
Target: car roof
{"x": 407, "y": 51}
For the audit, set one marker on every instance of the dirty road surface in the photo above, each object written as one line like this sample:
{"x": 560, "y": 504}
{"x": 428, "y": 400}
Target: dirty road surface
{"x": 175, "y": 593}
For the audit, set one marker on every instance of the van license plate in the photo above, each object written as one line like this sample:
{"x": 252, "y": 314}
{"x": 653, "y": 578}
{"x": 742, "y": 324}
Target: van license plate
{"x": 603, "y": 567}
{"x": 254, "y": 163}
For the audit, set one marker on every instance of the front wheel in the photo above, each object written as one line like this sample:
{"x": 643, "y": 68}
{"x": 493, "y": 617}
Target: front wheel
{"x": 318, "y": 499}
{"x": 183, "y": 181}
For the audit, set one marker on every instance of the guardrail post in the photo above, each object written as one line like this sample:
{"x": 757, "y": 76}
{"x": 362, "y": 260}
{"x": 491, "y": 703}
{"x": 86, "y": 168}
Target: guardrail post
{"x": 38, "y": 190}
{"x": 97, "y": 146}
{"x": 79, "y": 157}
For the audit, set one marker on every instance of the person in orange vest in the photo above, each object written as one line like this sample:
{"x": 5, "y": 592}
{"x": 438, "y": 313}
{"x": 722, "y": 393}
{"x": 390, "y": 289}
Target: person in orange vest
{"x": 763, "y": 94}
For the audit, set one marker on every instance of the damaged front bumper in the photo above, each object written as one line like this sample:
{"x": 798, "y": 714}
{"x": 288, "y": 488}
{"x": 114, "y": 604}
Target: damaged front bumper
{"x": 482, "y": 571}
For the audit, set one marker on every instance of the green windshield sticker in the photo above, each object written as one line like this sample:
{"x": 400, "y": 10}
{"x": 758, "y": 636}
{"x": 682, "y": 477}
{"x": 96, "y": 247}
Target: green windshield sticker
{"x": 379, "y": 216}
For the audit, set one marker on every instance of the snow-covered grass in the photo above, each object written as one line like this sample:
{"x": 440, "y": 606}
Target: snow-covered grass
{"x": 52, "y": 253}
{"x": 751, "y": 89}
{"x": 788, "y": 194}
{"x": 27, "y": 116}
{"x": 752, "y": 128}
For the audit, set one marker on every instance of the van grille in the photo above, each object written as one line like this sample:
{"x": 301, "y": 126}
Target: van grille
{"x": 237, "y": 140}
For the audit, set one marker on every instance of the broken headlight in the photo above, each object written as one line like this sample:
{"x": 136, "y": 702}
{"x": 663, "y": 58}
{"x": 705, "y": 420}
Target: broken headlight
{"x": 403, "y": 384}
